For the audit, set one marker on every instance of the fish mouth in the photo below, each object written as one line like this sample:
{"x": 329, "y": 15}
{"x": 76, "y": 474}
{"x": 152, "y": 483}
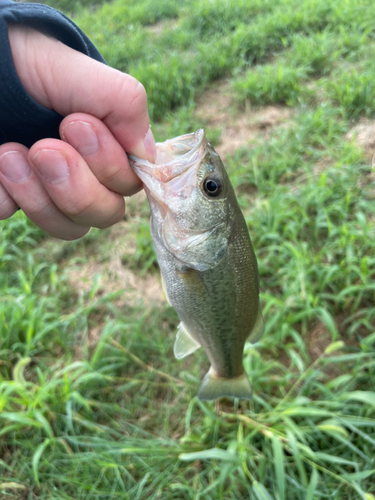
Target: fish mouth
{"x": 173, "y": 171}
{"x": 173, "y": 158}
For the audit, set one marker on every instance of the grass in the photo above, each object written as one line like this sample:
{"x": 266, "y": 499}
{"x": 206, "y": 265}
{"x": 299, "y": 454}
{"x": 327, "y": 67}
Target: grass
{"x": 92, "y": 403}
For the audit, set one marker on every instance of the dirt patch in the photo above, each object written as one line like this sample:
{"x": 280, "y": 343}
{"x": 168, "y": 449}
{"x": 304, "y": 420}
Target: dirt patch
{"x": 364, "y": 135}
{"x": 318, "y": 339}
{"x": 158, "y": 28}
{"x": 240, "y": 127}
{"x": 112, "y": 274}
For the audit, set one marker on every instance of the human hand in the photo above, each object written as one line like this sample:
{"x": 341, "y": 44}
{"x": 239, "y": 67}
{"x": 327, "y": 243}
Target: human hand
{"x": 67, "y": 186}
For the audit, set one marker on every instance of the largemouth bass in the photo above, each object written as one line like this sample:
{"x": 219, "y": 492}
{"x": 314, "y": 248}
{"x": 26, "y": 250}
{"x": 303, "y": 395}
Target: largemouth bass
{"x": 208, "y": 266}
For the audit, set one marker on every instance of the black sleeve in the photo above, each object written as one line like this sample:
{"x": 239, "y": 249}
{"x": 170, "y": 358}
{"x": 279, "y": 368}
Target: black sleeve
{"x": 22, "y": 119}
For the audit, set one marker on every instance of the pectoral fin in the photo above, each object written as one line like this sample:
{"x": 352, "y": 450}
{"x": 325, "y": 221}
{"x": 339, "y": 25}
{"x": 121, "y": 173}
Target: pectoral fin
{"x": 185, "y": 344}
{"x": 258, "y": 329}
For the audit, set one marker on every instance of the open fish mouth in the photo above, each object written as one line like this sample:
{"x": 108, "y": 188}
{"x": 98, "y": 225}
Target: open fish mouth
{"x": 173, "y": 175}
{"x": 173, "y": 158}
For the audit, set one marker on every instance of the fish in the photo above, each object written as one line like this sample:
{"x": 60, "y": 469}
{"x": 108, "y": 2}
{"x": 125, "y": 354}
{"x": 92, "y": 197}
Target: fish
{"x": 208, "y": 266}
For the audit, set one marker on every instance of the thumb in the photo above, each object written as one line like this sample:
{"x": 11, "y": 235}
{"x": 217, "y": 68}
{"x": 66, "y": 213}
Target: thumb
{"x": 67, "y": 81}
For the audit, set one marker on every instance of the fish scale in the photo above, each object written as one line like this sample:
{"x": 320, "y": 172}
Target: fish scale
{"x": 206, "y": 259}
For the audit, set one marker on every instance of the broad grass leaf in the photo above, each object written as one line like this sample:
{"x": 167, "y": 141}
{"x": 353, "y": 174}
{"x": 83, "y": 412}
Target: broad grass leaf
{"x": 301, "y": 411}
{"x": 279, "y": 466}
{"x": 367, "y": 344}
{"x": 347, "y": 357}
{"x": 331, "y": 428}
{"x": 325, "y": 457}
{"x": 36, "y": 458}
{"x": 46, "y": 425}
{"x": 350, "y": 424}
{"x": 297, "y": 457}
{"x": 8, "y": 428}
{"x": 340, "y": 380}
{"x": 358, "y": 421}
{"x": 141, "y": 485}
{"x": 20, "y": 419}
{"x": 260, "y": 491}
{"x": 360, "y": 491}
{"x": 312, "y": 485}
{"x": 359, "y": 476}
{"x": 328, "y": 320}
{"x": 363, "y": 396}
{"x": 212, "y": 454}
{"x": 5, "y": 465}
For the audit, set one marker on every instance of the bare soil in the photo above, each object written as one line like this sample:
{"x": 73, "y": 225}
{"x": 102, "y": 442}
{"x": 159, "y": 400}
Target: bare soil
{"x": 318, "y": 339}
{"x": 364, "y": 135}
{"x": 240, "y": 127}
{"x": 114, "y": 276}
{"x": 161, "y": 26}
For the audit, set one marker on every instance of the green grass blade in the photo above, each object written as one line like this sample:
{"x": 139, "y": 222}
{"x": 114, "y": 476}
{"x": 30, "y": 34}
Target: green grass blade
{"x": 36, "y": 458}
{"x": 212, "y": 454}
{"x": 261, "y": 492}
{"x": 278, "y": 455}
{"x": 312, "y": 485}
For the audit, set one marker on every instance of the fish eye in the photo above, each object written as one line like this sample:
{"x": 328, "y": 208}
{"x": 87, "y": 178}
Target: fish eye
{"x": 212, "y": 186}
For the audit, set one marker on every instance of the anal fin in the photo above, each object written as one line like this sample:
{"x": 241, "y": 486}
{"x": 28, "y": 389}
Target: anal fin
{"x": 185, "y": 344}
{"x": 258, "y": 329}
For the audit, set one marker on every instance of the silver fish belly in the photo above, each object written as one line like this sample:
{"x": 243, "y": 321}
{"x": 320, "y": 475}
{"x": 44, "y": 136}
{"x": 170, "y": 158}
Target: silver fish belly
{"x": 208, "y": 266}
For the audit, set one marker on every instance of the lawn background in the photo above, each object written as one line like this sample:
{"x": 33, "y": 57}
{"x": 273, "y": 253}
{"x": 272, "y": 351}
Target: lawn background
{"x": 93, "y": 404}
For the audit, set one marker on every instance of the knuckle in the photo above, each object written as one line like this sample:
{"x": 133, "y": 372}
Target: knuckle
{"x": 7, "y": 206}
{"x": 109, "y": 175}
{"x": 136, "y": 97}
{"x": 113, "y": 219}
{"x": 39, "y": 208}
{"x": 80, "y": 208}
{"x": 7, "y": 210}
{"x": 139, "y": 95}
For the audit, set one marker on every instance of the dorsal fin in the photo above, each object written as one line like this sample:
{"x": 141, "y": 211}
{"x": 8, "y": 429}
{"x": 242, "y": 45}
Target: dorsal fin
{"x": 185, "y": 344}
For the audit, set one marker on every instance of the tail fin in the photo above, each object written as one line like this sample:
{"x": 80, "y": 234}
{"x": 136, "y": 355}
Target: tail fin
{"x": 215, "y": 387}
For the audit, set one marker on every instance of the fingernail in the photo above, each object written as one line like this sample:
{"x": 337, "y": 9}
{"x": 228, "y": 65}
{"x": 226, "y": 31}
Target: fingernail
{"x": 150, "y": 146}
{"x": 14, "y": 166}
{"x": 82, "y": 137}
{"x": 52, "y": 165}
{"x": 146, "y": 149}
